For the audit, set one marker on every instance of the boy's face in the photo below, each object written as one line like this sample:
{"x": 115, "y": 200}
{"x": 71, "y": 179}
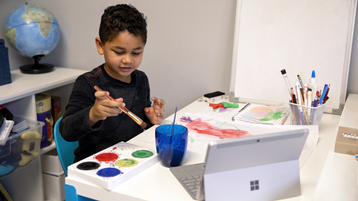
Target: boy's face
{"x": 122, "y": 55}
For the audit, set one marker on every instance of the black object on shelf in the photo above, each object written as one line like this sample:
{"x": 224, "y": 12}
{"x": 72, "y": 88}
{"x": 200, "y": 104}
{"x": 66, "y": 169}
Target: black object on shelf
{"x": 6, "y": 113}
{"x": 1, "y": 119}
{"x": 5, "y": 75}
{"x": 37, "y": 68}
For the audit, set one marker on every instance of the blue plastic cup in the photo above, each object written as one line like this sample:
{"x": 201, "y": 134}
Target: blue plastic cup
{"x": 171, "y": 149}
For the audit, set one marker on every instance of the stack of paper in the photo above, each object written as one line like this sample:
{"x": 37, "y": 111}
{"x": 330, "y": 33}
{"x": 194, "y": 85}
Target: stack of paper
{"x": 263, "y": 114}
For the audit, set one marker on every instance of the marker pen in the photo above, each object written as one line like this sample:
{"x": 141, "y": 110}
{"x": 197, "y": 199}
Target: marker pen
{"x": 299, "y": 98}
{"x": 315, "y": 102}
{"x": 323, "y": 94}
{"x": 288, "y": 85}
{"x": 302, "y": 95}
{"x": 326, "y": 97}
{"x": 295, "y": 110}
{"x": 307, "y": 102}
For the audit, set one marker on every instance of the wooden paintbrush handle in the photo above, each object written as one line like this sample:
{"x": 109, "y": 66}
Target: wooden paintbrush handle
{"x": 125, "y": 110}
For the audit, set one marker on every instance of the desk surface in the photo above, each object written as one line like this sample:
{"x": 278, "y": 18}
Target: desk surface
{"x": 339, "y": 179}
{"x": 157, "y": 183}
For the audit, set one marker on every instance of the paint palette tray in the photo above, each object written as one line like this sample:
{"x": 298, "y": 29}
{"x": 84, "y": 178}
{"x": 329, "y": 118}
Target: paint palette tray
{"x": 114, "y": 165}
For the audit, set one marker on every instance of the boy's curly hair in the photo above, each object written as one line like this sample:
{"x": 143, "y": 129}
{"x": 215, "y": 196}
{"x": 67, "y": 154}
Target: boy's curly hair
{"x": 122, "y": 17}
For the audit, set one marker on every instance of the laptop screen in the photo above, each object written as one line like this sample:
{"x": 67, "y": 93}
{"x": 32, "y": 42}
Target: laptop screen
{"x": 247, "y": 168}
{"x": 251, "y": 151}
{"x": 261, "y": 167}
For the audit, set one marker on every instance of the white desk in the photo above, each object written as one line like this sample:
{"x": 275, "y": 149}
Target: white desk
{"x": 157, "y": 183}
{"x": 339, "y": 179}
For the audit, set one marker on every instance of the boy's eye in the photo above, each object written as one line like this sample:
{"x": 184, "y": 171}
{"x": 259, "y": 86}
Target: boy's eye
{"x": 136, "y": 53}
{"x": 119, "y": 53}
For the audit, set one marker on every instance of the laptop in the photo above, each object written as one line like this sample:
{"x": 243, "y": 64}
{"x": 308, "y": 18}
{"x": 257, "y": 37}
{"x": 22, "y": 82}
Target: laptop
{"x": 260, "y": 167}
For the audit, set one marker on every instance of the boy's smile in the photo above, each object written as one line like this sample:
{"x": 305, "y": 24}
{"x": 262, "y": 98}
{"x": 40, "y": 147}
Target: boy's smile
{"x": 122, "y": 55}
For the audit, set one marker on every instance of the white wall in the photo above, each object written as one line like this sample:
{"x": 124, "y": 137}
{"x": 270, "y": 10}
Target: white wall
{"x": 353, "y": 72}
{"x": 189, "y": 47}
{"x": 6, "y": 6}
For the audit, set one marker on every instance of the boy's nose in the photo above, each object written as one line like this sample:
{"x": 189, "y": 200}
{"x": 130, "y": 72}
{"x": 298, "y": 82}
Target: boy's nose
{"x": 127, "y": 59}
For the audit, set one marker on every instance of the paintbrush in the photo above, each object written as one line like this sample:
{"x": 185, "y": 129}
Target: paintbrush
{"x": 233, "y": 117}
{"x": 171, "y": 135}
{"x": 125, "y": 110}
{"x": 175, "y": 114}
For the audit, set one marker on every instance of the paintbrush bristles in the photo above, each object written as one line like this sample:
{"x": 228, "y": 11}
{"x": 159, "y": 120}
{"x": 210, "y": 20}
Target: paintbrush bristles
{"x": 137, "y": 120}
{"x": 143, "y": 125}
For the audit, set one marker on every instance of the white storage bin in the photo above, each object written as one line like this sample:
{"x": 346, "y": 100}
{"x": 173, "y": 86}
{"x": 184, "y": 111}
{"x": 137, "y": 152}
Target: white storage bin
{"x": 53, "y": 176}
{"x": 54, "y": 186}
{"x": 51, "y": 163}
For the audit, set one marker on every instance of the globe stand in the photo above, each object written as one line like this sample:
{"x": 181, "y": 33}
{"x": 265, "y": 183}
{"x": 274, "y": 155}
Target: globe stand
{"x": 36, "y": 68}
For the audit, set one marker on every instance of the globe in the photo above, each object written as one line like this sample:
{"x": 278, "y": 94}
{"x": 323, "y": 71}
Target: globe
{"x": 32, "y": 31}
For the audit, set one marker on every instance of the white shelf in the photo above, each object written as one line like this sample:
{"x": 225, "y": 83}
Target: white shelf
{"x": 19, "y": 98}
{"x": 24, "y": 85}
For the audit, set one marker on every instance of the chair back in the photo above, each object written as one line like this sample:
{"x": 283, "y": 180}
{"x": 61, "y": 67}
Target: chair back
{"x": 64, "y": 149}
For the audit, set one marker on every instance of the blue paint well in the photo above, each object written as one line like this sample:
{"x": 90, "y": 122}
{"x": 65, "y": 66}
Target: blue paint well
{"x": 108, "y": 172}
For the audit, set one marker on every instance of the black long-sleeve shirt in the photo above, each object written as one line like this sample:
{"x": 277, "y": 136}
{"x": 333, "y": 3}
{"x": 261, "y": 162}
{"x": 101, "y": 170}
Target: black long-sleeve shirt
{"x": 74, "y": 125}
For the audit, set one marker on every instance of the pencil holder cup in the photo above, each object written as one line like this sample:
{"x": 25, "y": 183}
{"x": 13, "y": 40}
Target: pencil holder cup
{"x": 303, "y": 115}
{"x": 171, "y": 148}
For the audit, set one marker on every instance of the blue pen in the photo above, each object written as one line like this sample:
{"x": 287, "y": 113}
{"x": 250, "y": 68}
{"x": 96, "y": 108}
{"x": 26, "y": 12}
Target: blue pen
{"x": 313, "y": 110}
{"x": 323, "y": 94}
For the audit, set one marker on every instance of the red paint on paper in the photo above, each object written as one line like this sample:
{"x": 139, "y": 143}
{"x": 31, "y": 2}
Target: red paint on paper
{"x": 205, "y": 128}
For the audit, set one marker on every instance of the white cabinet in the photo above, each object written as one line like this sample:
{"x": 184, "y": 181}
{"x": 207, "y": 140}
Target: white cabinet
{"x": 19, "y": 98}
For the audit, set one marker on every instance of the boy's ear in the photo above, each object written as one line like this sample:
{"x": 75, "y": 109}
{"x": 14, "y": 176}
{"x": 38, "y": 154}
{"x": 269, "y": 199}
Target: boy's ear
{"x": 99, "y": 45}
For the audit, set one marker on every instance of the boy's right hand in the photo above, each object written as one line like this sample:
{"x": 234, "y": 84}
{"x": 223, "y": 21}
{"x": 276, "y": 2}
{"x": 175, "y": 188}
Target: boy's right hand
{"x": 103, "y": 107}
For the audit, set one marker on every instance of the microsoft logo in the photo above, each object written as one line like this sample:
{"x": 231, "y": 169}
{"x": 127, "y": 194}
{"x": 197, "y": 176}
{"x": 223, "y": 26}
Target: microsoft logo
{"x": 254, "y": 185}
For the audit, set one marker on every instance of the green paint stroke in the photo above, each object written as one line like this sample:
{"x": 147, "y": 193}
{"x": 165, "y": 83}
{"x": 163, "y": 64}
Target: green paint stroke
{"x": 191, "y": 139}
{"x": 229, "y": 125}
{"x": 278, "y": 115}
{"x": 272, "y": 116}
{"x": 268, "y": 117}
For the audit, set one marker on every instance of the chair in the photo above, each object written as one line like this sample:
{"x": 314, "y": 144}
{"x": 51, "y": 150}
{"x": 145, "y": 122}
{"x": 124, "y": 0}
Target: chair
{"x": 65, "y": 154}
{"x": 64, "y": 149}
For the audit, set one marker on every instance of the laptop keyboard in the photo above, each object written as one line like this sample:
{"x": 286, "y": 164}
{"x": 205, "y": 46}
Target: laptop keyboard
{"x": 190, "y": 177}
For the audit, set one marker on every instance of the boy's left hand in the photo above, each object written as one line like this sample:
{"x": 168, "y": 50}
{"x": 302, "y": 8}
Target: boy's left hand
{"x": 156, "y": 111}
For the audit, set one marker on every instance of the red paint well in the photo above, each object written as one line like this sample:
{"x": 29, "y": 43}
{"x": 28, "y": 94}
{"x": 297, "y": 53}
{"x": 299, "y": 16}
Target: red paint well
{"x": 107, "y": 157}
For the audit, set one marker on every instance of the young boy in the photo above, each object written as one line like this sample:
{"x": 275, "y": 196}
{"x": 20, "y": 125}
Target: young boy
{"x": 95, "y": 121}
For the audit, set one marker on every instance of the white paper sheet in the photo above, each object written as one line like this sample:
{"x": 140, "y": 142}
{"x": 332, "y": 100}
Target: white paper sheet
{"x": 214, "y": 125}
